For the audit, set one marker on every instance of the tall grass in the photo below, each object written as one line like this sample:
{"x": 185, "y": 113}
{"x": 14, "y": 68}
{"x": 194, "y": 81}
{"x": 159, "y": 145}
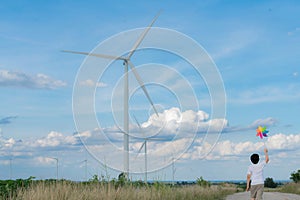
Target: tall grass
{"x": 291, "y": 188}
{"x": 79, "y": 191}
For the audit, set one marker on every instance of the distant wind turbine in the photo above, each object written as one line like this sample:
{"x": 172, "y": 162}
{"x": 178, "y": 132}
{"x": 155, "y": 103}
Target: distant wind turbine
{"x": 126, "y": 61}
{"x": 85, "y": 161}
{"x": 144, "y": 144}
{"x": 56, "y": 166}
{"x": 173, "y": 170}
{"x": 10, "y": 168}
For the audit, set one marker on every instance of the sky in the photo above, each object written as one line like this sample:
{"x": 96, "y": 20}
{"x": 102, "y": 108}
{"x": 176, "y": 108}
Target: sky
{"x": 215, "y": 71}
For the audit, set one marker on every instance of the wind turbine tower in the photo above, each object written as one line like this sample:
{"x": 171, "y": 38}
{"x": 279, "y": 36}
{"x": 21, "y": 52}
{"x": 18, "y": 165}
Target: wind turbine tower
{"x": 127, "y": 62}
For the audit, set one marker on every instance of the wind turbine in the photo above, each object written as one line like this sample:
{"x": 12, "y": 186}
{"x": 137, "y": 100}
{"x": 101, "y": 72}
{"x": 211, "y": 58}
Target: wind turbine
{"x": 173, "y": 171}
{"x": 144, "y": 144}
{"x": 10, "y": 169}
{"x": 56, "y": 166}
{"x": 85, "y": 170}
{"x": 126, "y": 61}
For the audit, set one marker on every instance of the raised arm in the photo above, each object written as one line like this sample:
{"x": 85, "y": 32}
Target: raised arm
{"x": 266, "y": 155}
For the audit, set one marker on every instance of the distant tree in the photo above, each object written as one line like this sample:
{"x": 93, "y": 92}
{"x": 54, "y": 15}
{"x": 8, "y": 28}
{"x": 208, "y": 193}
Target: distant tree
{"x": 94, "y": 179}
{"x": 122, "y": 179}
{"x": 269, "y": 182}
{"x": 203, "y": 183}
{"x": 295, "y": 176}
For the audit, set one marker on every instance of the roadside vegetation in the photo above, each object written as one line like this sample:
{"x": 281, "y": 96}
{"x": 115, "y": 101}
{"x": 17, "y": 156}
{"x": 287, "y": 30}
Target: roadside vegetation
{"x": 114, "y": 189}
{"x": 293, "y": 187}
{"x": 100, "y": 188}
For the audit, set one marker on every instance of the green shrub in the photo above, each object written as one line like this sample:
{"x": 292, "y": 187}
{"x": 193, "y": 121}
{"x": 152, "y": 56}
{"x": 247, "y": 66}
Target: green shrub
{"x": 269, "y": 182}
{"x": 9, "y": 188}
{"x": 203, "y": 183}
{"x": 295, "y": 176}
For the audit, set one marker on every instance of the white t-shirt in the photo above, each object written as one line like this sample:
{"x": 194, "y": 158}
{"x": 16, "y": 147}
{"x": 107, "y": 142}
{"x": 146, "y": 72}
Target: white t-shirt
{"x": 256, "y": 171}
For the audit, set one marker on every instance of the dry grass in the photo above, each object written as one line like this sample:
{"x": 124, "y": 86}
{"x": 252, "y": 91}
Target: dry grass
{"x": 291, "y": 188}
{"x": 70, "y": 191}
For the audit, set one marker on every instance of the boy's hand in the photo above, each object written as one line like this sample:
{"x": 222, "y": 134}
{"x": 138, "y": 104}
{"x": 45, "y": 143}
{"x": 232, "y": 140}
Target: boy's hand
{"x": 247, "y": 189}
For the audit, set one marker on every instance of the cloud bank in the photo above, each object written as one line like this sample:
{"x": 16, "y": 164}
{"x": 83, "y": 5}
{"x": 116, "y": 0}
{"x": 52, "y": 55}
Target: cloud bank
{"x": 22, "y": 80}
{"x": 173, "y": 134}
{"x": 228, "y": 150}
{"x": 91, "y": 83}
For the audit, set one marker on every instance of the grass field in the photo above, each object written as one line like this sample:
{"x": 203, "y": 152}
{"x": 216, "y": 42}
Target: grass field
{"x": 293, "y": 188}
{"x": 28, "y": 189}
{"x": 64, "y": 190}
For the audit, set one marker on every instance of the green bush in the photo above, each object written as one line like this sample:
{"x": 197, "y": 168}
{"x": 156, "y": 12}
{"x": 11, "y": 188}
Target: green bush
{"x": 269, "y": 182}
{"x": 203, "y": 183}
{"x": 94, "y": 179}
{"x": 8, "y": 188}
{"x": 295, "y": 176}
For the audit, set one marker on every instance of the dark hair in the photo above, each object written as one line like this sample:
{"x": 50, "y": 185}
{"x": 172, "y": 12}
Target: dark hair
{"x": 254, "y": 158}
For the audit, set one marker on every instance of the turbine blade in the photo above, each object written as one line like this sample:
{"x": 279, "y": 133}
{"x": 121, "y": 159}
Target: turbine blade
{"x": 157, "y": 139}
{"x": 140, "y": 150}
{"x": 138, "y": 78}
{"x": 141, "y": 147}
{"x": 140, "y": 39}
{"x": 139, "y": 125}
{"x": 96, "y": 55}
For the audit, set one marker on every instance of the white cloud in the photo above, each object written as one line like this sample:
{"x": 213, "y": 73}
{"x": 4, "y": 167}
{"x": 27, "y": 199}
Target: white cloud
{"x": 158, "y": 150}
{"x": 281, "y": 141}
{"x": 84, "y": 134}
{"x": 264, "y": 122}
{"x": 225, "y": 150}
{"x": 6, "y": 143}
{"x": 171, "y": 133}
{"x": 40, "y": 160}
{"x": 174, "y": 120}
{"x": 91, "y": 83}
{"x": 54, "y": 139}
{"x": 20, "y": 79}
{"x": 174, "y": 131}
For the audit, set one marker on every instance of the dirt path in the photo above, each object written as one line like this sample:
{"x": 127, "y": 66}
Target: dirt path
{"x": 266, "y": 196}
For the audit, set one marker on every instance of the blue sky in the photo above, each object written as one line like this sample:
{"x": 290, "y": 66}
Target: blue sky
{"x": 254, "y": 45}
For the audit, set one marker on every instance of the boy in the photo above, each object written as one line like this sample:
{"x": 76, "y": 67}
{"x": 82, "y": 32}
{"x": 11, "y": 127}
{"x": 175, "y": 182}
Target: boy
{"x": 255, "y": 175}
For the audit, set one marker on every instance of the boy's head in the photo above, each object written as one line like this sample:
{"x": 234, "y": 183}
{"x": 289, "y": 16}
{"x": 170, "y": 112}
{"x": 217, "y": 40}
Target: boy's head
{"x": 254, "y": 158}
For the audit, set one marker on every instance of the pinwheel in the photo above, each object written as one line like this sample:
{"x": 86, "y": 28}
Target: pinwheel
{"x": 261, "y": 132}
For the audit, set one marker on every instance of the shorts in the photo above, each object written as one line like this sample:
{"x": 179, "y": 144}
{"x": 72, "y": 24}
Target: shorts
{"x": 257, "y": 191}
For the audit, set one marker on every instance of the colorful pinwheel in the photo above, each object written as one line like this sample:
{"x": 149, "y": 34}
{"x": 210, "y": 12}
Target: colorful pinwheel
{"x": 261, "y": 132}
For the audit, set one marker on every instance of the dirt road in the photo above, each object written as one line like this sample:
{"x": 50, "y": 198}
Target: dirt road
{"x": 266, "y": 196}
